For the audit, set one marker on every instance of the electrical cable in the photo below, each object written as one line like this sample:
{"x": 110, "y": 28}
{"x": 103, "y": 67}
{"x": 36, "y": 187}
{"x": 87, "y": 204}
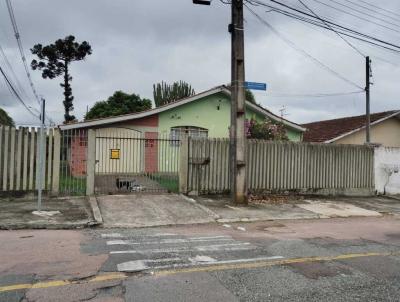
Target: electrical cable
{"x": 353, "y": 31}
{"x": 302, "y": 51}
{"x": 378, "y": 7}
{"x": 9, "y": 84}
{"x": 327, "y": 24}
{"x": 314, "y": 95}
{"x": 359, "y": 17}
{"x": 372, "y": 10}
{"x": 21, "y": 49}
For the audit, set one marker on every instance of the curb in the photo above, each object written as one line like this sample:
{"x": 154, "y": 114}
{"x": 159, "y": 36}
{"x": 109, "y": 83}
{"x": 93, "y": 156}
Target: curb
{"x": 207, "y": 210}
{"x": 98, "y": 219}
{"x": 392, "y": 197}
{"x": 41, "y": 226}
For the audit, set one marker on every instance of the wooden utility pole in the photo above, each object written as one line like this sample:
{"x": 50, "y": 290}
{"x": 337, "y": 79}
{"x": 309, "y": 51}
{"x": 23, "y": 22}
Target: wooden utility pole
{"x": 237, "y": 129}
{"x": 367, "y": 102}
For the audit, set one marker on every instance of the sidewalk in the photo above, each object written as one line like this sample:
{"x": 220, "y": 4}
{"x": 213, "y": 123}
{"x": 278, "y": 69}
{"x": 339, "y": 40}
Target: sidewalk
{"x": 150, "y": 210}
{"x": 62, "y": 213}
{"x": 297, "y": 207}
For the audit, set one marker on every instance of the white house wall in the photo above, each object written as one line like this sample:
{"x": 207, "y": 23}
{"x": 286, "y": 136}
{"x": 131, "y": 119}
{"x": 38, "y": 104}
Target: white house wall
{"x": 387, "y": 162}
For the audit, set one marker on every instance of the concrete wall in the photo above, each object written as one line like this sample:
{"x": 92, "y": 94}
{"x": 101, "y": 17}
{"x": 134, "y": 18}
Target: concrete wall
{"x": 386, "y": 133}
{"x": 387, "y": 162}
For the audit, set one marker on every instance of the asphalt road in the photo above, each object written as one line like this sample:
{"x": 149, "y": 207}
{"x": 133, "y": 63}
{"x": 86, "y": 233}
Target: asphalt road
{"x": 355, "y": 259}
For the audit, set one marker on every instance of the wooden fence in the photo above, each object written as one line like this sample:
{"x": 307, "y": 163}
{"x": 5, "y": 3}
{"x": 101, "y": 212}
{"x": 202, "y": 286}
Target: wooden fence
{"x": 19, "y": 159}
{"x": 282, "y": 166}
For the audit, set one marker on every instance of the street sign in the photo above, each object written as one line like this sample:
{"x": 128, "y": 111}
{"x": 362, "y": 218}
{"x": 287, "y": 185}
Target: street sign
{"x": 255, "y": 86}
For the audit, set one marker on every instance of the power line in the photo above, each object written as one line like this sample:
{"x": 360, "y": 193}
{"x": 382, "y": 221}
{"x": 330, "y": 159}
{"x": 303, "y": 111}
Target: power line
{"x": 343, "y": 29}
{"x": 327, "y": 24}
{"x": 21, "y": 88}
{"x": 302, "y": 51}
{"x": 378, "y": 7}
{"x": 22, "y": 53}
{"x": 372, "y": 10}
{"x": 359, "y": 17}
{"x": 10, "y": 86}
{"x": 21, "y": 49}
{"x": 344, "y": 32}
{"x": 314, "y": 95}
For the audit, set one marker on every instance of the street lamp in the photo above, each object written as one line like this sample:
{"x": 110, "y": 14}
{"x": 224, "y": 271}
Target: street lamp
{"x": 202, "y": 2}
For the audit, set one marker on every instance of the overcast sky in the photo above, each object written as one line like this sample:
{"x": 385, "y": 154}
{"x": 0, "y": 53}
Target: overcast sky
{"x": 138, "y": 43}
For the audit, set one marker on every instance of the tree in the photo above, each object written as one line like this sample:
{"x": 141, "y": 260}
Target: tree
{"x": 54, "y": 60}
{"x": 167, "y": 93}
{"x": 5, "y": 119}
{"x": 117, "y": 104}
{"x": 266, "y": 130}
{"x": 250, "y": 96}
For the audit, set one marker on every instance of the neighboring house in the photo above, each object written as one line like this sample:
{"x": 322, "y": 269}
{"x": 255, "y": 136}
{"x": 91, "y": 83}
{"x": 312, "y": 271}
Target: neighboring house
{"x": 385, "y": 130}
{"x": 206, "y": 114}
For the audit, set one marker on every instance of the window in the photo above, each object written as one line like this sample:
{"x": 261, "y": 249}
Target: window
{"x": 191, "y": 131}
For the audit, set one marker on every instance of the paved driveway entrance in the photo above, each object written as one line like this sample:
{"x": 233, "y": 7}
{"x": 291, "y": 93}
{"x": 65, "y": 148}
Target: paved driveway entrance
{"x": 141, "y": 210}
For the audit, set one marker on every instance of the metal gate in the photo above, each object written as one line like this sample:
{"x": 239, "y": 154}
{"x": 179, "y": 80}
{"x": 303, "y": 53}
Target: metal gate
{"x": 128, "y": 161}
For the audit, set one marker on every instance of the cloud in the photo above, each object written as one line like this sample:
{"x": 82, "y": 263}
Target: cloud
{"x": 138, "y": 43}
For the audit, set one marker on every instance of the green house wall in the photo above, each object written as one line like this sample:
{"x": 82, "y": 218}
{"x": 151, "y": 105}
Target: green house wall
{"x": 212, "y": 113}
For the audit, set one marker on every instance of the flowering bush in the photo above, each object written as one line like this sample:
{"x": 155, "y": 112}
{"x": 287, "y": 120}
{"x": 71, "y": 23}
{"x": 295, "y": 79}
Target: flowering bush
{"x": 265, "y": 130}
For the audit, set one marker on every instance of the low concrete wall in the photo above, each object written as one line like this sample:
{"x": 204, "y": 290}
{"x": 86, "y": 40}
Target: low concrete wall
{"x": 387, "y": 170}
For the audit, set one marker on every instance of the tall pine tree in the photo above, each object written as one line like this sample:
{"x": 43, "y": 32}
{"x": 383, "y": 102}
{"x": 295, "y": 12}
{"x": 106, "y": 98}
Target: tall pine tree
{"x": 54, "y": 60}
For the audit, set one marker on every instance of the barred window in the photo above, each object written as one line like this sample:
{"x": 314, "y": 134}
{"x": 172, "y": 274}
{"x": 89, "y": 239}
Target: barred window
{"x": 191, "y": 131}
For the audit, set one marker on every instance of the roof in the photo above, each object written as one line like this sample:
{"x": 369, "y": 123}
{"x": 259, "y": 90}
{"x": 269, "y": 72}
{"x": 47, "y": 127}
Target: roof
{"x": 133, "y": 116}
{"x": 331, "y": 130}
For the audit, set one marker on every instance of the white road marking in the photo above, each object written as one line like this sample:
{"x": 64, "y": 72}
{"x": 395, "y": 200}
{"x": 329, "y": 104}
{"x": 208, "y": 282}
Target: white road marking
{"x": 209, "y": 237}
{"x": 226, "y": 225}
{"x": 165, "y": 241}
{"x": 132, "y": 266}
{"x": 248, "y": 260}
{"x": 241, "y": 229}
{"x": 215, "y": 247}
{"x": 111, "y": 235}
{"x": 200, "y": 258}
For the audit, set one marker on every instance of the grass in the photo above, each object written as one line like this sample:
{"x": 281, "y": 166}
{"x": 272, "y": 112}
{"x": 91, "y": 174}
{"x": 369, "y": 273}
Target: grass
{"x": 169, "y": 182}
{"x": 73, "y": 186}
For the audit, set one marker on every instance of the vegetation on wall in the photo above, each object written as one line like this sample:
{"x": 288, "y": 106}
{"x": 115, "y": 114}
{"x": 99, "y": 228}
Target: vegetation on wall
{"x": 266, "y": 130}
{"x": 5, "y": 119}
{"x": 117, "y": 104}
{"x": 164, "y": 93}
{"x": 54, "y": 60}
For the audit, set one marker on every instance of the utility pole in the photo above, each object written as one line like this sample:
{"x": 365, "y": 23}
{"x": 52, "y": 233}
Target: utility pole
{"x": 237, "y": 129}
{"x": 41, "y": 148}
{"x": 367, "y": 94}
{"x": 237, "y": 134}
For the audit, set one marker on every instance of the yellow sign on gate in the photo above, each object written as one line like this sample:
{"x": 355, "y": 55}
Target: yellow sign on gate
{"x": 115, "y": 154}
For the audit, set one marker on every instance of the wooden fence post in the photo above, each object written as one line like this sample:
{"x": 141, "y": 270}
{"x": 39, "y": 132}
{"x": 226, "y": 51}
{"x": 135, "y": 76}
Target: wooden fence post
{"x": 184, "y": 164}
{"x": 90, "y": 162}
{"x": 56, "y": 162}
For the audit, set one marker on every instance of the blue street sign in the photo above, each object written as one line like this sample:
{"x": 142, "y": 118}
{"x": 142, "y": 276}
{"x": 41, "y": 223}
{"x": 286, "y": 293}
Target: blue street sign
{"x": 255, "y": 86}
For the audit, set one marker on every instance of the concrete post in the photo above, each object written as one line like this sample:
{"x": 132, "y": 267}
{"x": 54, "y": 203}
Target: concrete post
{"x": 184, "y": 164}
{"x": 90, "y": 162}
{"x": 56, "y": 163}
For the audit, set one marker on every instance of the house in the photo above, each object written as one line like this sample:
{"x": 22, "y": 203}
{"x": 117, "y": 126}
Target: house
{"x": 206, "y": 114}
{"x": 385, "y": 130}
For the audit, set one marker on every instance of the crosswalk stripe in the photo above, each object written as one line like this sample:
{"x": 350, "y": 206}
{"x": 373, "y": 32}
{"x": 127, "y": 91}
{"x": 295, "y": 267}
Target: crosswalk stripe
{"x": 165, "y": 241}
{"x": 111, "y": 235}
{"x": 215, "y": 247}
{"x": 141, "y": 265}
{"x": 119, "y": 235}
{"x": 245, "y": 260}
